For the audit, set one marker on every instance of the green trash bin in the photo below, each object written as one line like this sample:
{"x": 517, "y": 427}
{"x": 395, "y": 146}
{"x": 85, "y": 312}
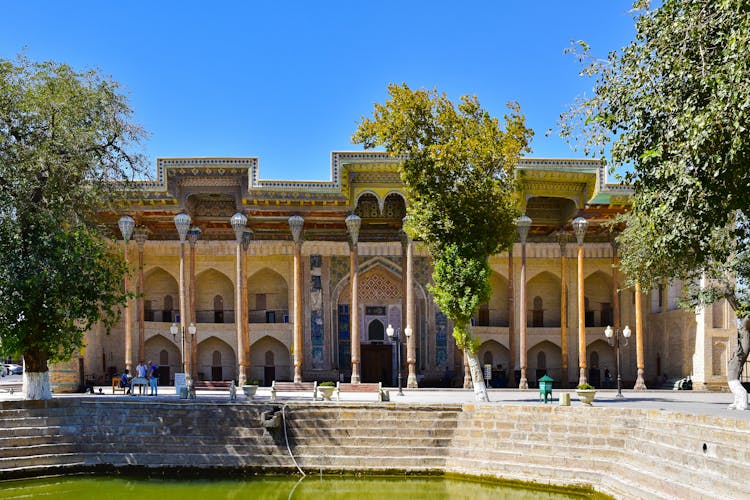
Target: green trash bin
{"x": 183, "y": 392}
{"x": 545, "y": 388}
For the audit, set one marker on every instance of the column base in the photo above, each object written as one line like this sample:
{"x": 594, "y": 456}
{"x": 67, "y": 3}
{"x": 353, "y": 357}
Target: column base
{"x": 582, "y": 377}
{"x": 355, "y": 379}
{"x": 411, "y": 381}
{"x": 523, "y": 384}
{"x": 640, "y": 384}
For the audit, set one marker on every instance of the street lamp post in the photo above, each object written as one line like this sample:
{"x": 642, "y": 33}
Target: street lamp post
{"x": 395, "y": 335}
{"x": 613, "y": 338}
{"x": 175, "y": 329}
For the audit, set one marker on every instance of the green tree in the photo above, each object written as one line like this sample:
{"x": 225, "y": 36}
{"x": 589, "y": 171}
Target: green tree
{"x": 458, "y": 170}
{"x": 675, "y": 107}
{"x": 63, "y": 141}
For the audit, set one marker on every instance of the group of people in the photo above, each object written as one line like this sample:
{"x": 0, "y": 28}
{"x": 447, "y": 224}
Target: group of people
{"x": 148, "y": 371}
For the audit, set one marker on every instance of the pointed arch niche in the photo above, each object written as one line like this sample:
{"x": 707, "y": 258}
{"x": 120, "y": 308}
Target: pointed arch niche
{"x": 495, "y": 311}
{"x": 160, "y": 294}
{"x": 214, "y": 290}
{"x": 268, "y": 297}
{"x": 270, "y": 360}
{"x": 543, "y": 290}
{"x": 545, "y": 358}
{"x": 598, "y": 289}
{"x": 216, "y": 360}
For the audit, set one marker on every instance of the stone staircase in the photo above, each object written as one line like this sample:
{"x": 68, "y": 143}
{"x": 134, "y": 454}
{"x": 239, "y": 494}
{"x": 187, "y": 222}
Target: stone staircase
{"x": 70, "y": 435}
{"x": 356, "y": 437}
{"x": 627, "y": 452}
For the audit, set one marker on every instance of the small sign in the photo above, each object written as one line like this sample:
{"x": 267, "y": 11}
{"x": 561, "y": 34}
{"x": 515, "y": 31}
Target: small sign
{"x": 487, "y": 371}
{"x": 179, "y": 382}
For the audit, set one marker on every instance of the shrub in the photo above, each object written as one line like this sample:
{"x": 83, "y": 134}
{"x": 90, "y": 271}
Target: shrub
{"x": 585, "y": 387}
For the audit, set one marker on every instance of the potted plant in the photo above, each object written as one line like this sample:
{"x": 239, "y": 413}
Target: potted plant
{"x": 326, "y": 389}
{"x": 250, "y": 387}
{"x": 586, "y": 393}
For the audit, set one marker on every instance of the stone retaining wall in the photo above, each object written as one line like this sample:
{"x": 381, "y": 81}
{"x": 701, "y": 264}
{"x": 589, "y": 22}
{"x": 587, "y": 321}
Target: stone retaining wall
{"x": 628, "y": 453}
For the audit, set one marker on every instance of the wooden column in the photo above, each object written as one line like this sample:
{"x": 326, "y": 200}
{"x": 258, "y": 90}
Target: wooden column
{"x": 354, "y": 314}
{"x": 582, "y": 378}
{"x": 615, "y": 289}
{"x": 523, "y": 383}
{"x": 246, "y": 237}
{"x": 411, "y": 340}
{"x": 183, "y": 311}
{"x": 511, "y": 323}
{"x": 242, "y": 361}
{"x": 563, "y": 239}
{"x": 640, "y": 384}
{"x": 192, "y": 239}
{"x": 141, "y": 313}
{"x": 128, "y": 319}
{"x": 298, "y": 347}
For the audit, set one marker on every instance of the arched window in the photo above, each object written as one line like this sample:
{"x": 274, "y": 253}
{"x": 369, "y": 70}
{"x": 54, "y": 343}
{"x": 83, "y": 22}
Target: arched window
{"x": 594, "y": 360}
{"x": 269, "y": 358}
{"x": 148, "y": 313}
{"x": 166, "y": 313}
{"x": 484, "y": 315}
{"x": 488, "y": 358}
{"x": 605, "y": 317}
{"x": 541, "y": 361}
{"x": 376, "y": 330}
{"x": 589, "y": 315}
{"x": 216, "y": 371}
{"x": 218, "y": 309}
{"x": 537, "y": 313}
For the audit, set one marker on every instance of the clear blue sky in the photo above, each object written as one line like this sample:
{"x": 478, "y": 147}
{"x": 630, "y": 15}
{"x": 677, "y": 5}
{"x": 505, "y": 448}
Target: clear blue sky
{"x": 288, "y": 81}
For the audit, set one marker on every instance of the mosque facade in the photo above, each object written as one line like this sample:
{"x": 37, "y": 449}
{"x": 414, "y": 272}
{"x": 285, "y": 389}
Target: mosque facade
{"x": 305, "y": 291}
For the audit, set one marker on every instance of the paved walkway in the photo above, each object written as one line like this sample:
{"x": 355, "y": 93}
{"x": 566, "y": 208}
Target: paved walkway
{"x": 699, "y": 403}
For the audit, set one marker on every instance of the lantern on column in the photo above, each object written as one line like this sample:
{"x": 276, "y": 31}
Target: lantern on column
{"x": 295, "y": 225}
{"x": 239, "y": 222}
{"x": 182, "y": 223}
{"x": 353, "y": 223}
{"x": 579, "y": 228}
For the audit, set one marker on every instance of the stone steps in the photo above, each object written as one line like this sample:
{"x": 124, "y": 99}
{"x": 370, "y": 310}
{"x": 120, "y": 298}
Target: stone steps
{"x": 367, "y": 452}
{"x": 32, "y": 450}
{"x": 367, "y": 432}
{"x": 370, "y": 441}
{"x": 375, "y": 462}
{"x": 13, "y": 432}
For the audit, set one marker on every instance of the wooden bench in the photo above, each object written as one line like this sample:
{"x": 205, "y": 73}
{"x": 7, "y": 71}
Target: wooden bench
{"x": 212, "y": 385}
{"x": 117, "y": 385}
{"x": 294, "y": 387}
{"x": 375, "y": 387}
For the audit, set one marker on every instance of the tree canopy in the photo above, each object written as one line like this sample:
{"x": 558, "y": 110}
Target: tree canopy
{"x": 674, "y": 105}
{"x": 64, "y": 139}
{"x": 458, "y": 171}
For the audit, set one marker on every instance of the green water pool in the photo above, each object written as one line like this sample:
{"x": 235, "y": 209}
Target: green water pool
{"x": 84, "y": 487}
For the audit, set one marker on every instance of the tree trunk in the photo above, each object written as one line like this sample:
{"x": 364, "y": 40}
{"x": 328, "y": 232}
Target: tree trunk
{"x": 477, "y": 378}
{"x": 36, "y": 376}
{"x": 737, "y": 363}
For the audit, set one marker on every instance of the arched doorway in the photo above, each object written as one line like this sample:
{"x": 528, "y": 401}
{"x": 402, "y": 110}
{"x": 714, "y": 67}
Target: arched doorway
{"x": 377, "y": 357}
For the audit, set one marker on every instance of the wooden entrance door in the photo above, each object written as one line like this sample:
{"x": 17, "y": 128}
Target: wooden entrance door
{"x": 377, "y": 364}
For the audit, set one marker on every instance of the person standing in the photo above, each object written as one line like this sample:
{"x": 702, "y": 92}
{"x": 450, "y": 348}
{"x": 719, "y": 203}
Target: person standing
{"x": 153, "y": 378}
{"x": 141, "y": 370}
